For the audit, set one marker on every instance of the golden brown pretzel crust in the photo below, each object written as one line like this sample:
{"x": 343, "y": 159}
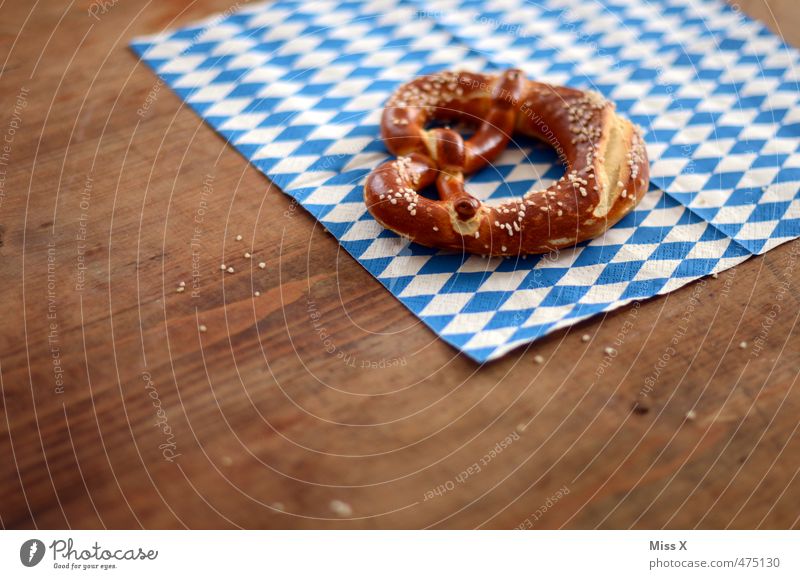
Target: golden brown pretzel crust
{"x": 607, "y": 168}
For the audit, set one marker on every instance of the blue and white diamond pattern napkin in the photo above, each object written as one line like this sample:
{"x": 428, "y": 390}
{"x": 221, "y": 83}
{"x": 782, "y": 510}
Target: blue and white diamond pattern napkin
{"x": 298, "y": 87}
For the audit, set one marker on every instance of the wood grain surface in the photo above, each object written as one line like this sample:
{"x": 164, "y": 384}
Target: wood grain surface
{"x": 322, "y": 402}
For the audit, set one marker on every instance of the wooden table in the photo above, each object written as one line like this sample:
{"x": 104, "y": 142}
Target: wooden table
{"x": 323, "y": 402}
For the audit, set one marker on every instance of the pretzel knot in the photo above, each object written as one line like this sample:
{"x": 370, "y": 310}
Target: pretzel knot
{"x": 607, "y": 171}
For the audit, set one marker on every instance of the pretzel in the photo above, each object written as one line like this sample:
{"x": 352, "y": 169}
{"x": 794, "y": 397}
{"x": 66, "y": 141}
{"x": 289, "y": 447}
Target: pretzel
{"x": 607, "y": 171}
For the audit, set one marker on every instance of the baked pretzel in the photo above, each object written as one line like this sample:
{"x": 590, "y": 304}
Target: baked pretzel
{"x": 607, "y": 170}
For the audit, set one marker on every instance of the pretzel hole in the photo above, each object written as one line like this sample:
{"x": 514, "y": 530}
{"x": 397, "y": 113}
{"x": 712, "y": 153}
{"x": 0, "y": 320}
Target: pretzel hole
{"x": 463, "y": 127}
{"x": 431, "y": 192}
{"x": 527, "y": 164}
